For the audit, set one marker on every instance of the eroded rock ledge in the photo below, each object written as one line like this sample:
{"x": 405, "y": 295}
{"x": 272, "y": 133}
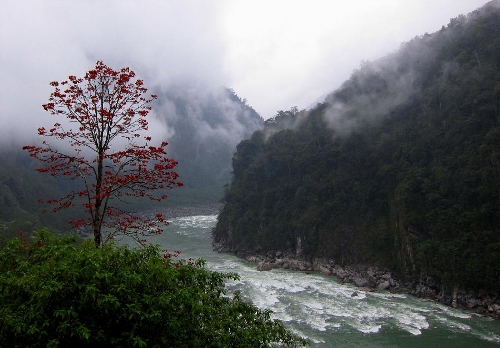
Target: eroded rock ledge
{"x": 374, "y": 278}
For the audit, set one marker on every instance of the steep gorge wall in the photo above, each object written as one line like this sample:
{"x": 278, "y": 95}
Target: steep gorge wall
{"x": 408, "y": 186}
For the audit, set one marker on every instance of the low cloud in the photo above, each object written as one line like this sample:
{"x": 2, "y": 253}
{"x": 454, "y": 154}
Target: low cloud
{"x": 208, "y": 114}
{"x": 45, "y": 41}
{"x": 276, "y": 53}
{"x": 369, "y": 95}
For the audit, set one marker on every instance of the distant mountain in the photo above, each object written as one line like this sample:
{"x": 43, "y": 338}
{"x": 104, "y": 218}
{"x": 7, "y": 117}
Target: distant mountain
{"x": 207, "y": 125}
{"x": 399, "y": 168}
{"x": 202, "y": 126}
{"x": 20, "y": 188}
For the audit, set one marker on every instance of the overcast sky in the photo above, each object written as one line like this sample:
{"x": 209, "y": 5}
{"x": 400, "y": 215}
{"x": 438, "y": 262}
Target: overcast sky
{"x": 275, "y": 53}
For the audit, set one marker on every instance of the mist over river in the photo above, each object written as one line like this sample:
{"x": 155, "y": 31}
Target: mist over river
{"x": 328, "y": 313}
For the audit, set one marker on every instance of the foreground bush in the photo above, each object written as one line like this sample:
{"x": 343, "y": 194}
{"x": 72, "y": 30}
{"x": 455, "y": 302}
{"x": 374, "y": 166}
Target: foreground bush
{"x": 55, "y": 292}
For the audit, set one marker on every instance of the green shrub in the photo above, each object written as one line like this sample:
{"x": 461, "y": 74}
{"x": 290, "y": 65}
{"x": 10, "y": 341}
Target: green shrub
{"x": 55, "y": 292}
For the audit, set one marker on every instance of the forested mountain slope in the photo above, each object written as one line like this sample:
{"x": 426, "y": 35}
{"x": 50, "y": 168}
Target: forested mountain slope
{"x": 399, "y": 168}
{"x": 19, "y": 190}
{"x": 206, "y": 125}
{"x": 203, "y": 128}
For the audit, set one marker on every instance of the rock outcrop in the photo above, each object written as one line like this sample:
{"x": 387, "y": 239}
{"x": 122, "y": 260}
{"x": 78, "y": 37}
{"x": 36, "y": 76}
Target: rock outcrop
{"x": 376, "y": 279}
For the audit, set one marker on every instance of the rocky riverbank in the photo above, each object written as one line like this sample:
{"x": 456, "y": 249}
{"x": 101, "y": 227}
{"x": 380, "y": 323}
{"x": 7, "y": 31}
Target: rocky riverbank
{"x": 376, "y": 279}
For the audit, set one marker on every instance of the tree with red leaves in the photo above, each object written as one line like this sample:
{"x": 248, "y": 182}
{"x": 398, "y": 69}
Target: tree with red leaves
{"x": 101, "y": 108}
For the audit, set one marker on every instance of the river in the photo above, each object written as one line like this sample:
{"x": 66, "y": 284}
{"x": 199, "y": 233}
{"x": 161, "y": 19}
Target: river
{"x": 326, "y": 312}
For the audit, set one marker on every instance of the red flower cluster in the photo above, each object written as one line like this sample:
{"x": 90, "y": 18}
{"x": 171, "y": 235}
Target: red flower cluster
{"x": 101, "y": 107}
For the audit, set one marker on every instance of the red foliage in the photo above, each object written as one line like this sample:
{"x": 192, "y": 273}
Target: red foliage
{"x": 101, "y": 107}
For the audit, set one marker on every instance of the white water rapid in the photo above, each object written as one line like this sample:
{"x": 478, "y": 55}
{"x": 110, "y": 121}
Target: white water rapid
{"x": 330, "y": 314}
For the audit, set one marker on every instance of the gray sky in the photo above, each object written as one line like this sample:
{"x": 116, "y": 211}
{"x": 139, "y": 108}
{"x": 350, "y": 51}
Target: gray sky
{"x": 275, "y": 53}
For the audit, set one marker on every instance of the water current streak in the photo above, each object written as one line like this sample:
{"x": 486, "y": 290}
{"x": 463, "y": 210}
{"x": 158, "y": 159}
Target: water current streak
{"x": 332, "y": 314}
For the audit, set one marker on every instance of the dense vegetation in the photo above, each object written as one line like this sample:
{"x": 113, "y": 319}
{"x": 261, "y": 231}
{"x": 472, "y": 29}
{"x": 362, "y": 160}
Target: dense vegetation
{"x": 20, "y": 188}
{"x": 399, "y": 168}
{"x": 55, "y": 292}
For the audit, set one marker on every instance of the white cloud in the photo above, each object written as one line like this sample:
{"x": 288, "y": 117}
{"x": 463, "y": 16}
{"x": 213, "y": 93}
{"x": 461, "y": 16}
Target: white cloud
{"x": 283, "y": 53}
{"x": 274, "y": 53}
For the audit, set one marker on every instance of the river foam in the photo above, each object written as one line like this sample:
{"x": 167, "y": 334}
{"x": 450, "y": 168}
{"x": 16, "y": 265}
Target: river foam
{"x": 327, "y": 312}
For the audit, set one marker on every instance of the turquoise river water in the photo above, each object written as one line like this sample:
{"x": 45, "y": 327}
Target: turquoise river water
{"x": 321, "y": 309}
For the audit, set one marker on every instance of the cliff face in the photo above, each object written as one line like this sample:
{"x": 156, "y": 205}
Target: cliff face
{"x": 399, "y": 168}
